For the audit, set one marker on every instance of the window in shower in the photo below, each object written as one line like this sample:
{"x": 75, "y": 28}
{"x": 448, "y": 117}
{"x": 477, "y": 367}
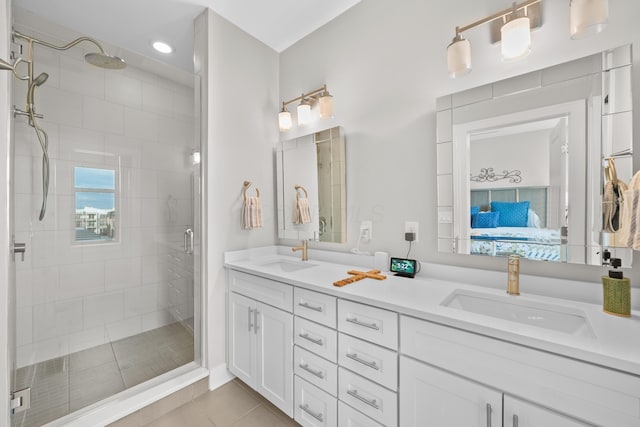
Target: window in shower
{"x": 95, "y": 204}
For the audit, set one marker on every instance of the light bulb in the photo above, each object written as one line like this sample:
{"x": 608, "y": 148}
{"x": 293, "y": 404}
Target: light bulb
{"x": 516, "y": 38}
{"x": 587, "y": 17}
{"x": 304, "y": 112}
{"x": 284, "y": 120}
{"x": 325, "y": 105}
{"x": 459, "y": 57}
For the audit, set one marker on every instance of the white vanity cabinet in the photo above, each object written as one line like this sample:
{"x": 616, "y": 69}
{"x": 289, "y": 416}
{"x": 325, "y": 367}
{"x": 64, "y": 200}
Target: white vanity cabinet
{"x": 260, "y": 345}
{"x": 474, "y": 380}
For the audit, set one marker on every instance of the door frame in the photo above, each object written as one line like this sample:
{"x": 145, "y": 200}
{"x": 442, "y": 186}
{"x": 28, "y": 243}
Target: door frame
{"x": 7, "y": 268}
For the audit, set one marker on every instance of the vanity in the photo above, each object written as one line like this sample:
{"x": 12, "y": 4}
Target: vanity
{"x": 415, "y": 352}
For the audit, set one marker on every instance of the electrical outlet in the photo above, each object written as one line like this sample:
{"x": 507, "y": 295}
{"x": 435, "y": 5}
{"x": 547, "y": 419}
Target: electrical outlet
{"x": 366, "y": 231}
{"x": 411, "y": 227}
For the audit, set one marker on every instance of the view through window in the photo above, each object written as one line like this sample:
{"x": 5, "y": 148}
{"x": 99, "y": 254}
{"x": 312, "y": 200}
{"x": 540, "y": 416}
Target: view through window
{"x": 95, "y": 207}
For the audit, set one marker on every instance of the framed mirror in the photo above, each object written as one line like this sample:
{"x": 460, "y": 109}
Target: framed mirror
{"x": 522, "y": 162}
{"x": 311, "y": 187}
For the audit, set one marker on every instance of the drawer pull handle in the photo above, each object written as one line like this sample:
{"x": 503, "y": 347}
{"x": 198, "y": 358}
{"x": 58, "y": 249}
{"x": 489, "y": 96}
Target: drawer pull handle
{"x": 306, "y": 409}
{"x": 250, "y": 323}
{"x": 515, "y": 420}
{"x": 256, "y": 313}
{"x": 354, "y": 356}
{"x": 355, "y": 321}
{"x": 489, "y": 410}
{"x": 308, "y": 338}
{"x": 310, "y": 307}
{"x": 306, "y": 367}
{"x": 373, "y": 403}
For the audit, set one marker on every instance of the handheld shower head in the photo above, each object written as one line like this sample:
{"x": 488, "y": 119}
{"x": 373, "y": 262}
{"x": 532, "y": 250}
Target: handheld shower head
{"x": 104, "y": 60}
{"x": 38, "y": 81}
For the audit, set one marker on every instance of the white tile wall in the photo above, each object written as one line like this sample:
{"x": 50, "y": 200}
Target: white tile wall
{"x": 72, "y": 296}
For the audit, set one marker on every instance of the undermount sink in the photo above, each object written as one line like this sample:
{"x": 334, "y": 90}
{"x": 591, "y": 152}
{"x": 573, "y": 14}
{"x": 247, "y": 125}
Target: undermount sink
{"x": 553, "y": 317}
{"x": 287, "y": 266}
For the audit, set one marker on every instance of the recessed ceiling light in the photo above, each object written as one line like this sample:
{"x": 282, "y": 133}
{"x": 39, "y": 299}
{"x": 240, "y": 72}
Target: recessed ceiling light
{"x": 162, "y": 47}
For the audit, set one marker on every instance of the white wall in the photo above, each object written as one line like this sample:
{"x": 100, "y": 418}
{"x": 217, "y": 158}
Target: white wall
{"x": 72, "y": 296}
{"x": 385, "y": 64}
{"x": 241, "y": 113}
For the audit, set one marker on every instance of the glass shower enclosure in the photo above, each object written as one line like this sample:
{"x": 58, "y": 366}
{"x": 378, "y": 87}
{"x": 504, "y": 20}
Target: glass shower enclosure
{"x": 106, "y": 293}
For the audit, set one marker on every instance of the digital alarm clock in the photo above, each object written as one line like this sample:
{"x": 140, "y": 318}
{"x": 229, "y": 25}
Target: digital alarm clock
{"x": 403, "y": 267}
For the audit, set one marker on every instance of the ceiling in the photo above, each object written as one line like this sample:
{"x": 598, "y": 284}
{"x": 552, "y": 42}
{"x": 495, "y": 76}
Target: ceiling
{"x": 135, "y": 24}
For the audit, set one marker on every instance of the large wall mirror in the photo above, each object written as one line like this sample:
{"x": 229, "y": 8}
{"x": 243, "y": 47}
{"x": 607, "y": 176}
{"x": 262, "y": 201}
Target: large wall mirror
{"x": 522, "y": 162}
{"x": 311, "y": 187}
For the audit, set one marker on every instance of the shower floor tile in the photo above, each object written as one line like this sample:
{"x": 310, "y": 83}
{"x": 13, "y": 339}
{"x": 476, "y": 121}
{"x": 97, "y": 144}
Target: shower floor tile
{"x": 65, "y": 384}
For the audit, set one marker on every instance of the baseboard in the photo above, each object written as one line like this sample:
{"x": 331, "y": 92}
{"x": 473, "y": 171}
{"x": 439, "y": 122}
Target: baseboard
{"x": 219, "y": 376}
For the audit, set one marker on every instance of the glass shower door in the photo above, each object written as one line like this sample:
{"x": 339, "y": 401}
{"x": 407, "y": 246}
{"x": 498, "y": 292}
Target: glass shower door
{"x": 106, "y": 295}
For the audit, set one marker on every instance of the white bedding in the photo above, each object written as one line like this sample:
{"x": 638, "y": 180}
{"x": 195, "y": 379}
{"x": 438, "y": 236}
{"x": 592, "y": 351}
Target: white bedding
{"x": 546, "y": 235}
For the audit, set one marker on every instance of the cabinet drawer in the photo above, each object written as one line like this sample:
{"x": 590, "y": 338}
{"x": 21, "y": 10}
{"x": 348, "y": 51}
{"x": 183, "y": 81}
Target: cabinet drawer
{"x": 316, "y": 338}
{"x": 318, "y": 371}
{"x": 264, "y": 290}
{"x": 349, "y": 417}
{"x": 314, "y": 407}
{"x": 372, "y": 324}
{"x": 315, "y": 306}
{"x": 368, "y": 397}
{"x": 369, "y": 360}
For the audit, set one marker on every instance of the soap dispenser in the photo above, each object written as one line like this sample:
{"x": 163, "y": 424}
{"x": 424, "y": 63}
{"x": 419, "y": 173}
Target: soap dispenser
{"x": 617, "y": 291}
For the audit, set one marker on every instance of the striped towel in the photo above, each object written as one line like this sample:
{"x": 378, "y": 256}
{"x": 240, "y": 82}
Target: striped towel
{"x": 630, "y": 216}
{"x": 301, "y": 211}
{"x": 251, "y": 213}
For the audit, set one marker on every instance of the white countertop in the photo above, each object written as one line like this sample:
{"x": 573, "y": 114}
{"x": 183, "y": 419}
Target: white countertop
{"x": 616, "y": 343}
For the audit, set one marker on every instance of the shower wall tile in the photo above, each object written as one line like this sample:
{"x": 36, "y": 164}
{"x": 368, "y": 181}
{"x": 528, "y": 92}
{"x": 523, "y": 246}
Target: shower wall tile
{"x": 62, "y": 177}
{"x": 122, "y": 151}
{"x": 79, "y": 280}
{"x": 24, "y": 325}
{"x": 124, "y": 90}
{"x": 24, "y": 288}
{"x": 79, "y": 145}
{"x": 24, "y": 185}
{"x": 156, "y": 319}
{"x": 124, "y": 328}
{"x": 65, "y": 208}
{"x": 102, "y": 309}
{"x": 101, "y": 252}
{"x": 103, "y": 116}
{"x": 42, "y": 350}
{"x": 59, "y": 106}
{"x": 27, "y": 143}
{"x": 51, "y": 248}
{"x": 140, "y": 124}
{"x": 131, "y": 213}
{"x": 45, "y": 283}
{"x": 184, "y": 103}
{"x": 151, "y": 269}
{"x": 176, "y": 131}
{"x": 87, "y": 338}
{"x": 157, "y": 99}
{"x": 57, "y": 319}
{"x": 123, "y": 273}
{"x": 79, "y": 77}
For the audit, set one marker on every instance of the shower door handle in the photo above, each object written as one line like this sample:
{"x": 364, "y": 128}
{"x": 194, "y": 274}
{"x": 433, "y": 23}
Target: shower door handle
{"x": 188, "y": 241}
{"x": 19, "y": 248}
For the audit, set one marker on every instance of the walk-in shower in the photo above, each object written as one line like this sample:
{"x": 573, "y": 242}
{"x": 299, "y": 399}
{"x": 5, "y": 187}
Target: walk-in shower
{"x": 106, "y": 298}
{"x": 99, "y": 59}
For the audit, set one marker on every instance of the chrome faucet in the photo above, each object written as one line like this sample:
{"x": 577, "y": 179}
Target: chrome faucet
{"x": 513, "y": 275}
{"x": 303, "y": 248}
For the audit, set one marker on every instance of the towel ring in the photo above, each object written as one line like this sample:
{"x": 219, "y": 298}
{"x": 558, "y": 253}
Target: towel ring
{"x": 300, "y": 187}
{"x": 247, "y": 184}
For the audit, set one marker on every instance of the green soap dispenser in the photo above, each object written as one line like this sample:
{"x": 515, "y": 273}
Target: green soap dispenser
{"x": 617, "y": 291}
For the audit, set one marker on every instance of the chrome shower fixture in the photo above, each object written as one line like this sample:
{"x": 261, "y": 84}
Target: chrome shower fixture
{"x": 99, "y": 59}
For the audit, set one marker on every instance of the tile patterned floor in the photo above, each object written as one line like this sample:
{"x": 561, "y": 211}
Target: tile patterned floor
{"x": 232, "y": 405}
{"x": 65, "y": 384}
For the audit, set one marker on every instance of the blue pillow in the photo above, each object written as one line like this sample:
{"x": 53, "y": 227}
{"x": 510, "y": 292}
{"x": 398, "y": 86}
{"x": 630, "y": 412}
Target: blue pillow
{"x": 512, "y": 214}
{"x": 486, "y": 220}
{"x": 474, "y": 210}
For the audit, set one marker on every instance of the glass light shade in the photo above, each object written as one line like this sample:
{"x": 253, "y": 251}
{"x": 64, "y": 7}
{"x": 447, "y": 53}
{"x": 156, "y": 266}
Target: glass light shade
{"x": 284, "y": 120}
{"x": 459, "y": 57}
{"x": 587, "y": 17}
{"x": 516, "y": 38}
{"x": 325, "y": 105}
{"x": 162, "y": 47}
{"x": 304, "y": 112}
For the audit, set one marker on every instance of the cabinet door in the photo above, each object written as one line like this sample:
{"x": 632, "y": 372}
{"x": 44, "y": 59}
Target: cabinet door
{"x": 430, "y": 396}
{"x": 518, "y": 413}
{"x": 242, "y": 341}
{"x": 275, "y": 356}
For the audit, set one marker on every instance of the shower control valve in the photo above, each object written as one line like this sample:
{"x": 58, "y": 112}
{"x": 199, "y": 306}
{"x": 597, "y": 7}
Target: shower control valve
{"x": 19, "y": 248}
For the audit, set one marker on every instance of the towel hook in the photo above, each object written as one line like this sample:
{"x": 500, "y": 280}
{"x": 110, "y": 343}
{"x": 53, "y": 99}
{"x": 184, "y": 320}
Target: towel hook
{"x": 300, "y": 187}
{"x": 247, "y": 184}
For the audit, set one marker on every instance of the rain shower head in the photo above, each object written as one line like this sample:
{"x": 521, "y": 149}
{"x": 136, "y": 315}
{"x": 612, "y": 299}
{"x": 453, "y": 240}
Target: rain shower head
{"x": 104, "y": 60}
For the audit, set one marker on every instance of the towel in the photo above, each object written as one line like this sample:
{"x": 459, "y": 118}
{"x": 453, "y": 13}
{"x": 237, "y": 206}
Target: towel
{"x": 629, "y": 233}
{"x": 301, "y": 211}
{"x": 251, "y": 213}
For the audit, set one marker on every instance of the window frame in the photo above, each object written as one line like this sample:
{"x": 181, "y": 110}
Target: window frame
{"x": 116, "y": 203}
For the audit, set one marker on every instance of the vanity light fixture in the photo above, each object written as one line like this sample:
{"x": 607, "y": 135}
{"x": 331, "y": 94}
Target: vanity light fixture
{"x": 587, "y": 17}
{"x": 320, "y": 96}
{"x": 515, "y": 35}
